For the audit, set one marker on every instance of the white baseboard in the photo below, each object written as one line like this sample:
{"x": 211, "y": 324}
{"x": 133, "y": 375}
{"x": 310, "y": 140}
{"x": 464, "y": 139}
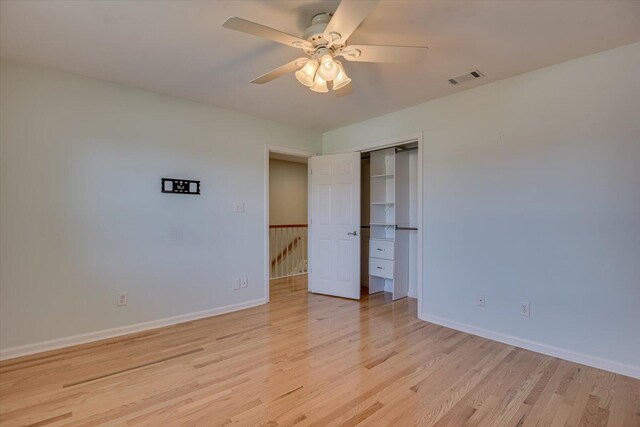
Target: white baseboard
{"x": 54, "y": 344}
{"x": 572, "y": 356}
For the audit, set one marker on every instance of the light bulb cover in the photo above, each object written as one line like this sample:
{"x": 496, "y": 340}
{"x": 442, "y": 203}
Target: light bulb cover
{"x": 328, "y": 69}
{"x": 306, "y": 74}
{"x": 341, "y": 79}
{"x": 319, "y": 84}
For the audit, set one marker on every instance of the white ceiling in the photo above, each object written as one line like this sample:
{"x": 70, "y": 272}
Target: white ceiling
{"x": 179, "y": 48}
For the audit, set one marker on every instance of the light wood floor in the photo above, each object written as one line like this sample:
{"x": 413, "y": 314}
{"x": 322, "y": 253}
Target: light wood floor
{"x": 310, "y": 360}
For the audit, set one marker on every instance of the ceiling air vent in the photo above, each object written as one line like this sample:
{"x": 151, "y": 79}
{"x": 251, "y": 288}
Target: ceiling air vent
{"x": 475, "y": 74}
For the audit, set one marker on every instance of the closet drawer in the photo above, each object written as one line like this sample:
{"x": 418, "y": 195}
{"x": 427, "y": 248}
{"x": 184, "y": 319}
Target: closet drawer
{"x": 381, "y": 268}
{"x": 380, "y": 249}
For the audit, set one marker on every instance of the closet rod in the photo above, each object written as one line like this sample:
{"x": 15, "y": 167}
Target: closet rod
{"x": 407, "y": 228}
{"x": 406, "y": 149}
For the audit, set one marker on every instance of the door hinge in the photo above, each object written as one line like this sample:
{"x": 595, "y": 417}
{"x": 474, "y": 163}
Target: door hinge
{"x": 311, "y": 170}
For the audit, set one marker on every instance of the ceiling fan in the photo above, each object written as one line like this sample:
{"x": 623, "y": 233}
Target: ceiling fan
{"x": 324, "y": 41}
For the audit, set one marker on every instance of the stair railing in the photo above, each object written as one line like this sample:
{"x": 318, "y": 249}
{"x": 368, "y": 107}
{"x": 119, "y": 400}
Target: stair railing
{"x": 287, "y": 249}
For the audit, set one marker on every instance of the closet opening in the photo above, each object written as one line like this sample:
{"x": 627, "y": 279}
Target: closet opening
{"x": 389, "y": 221}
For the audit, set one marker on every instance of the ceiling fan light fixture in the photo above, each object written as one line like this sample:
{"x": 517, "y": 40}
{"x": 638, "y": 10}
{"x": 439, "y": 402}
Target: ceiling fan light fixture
{"x": 325, "y": 40}
{"x": 328, "y": 69}
{"x": 319, "y": 84}
{"x": 306, "y": 74}
{"x": 341, "y": 79}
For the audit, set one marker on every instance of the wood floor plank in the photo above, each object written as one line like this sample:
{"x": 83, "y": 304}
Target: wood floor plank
{"x": 310, "y": 360}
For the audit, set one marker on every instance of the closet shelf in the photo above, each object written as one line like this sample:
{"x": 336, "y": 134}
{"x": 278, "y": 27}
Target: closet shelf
{"x": 382, "y": 203}
{"x": 383, "y": 175}
{"x": 383, "y": 224}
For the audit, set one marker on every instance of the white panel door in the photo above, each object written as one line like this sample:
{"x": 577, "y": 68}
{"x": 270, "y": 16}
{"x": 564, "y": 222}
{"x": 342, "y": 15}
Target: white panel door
{"x": 334, "y": 225}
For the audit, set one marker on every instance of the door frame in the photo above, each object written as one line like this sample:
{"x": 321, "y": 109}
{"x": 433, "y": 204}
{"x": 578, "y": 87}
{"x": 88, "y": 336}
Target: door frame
{"x": 392, "y": 142}
{"x": 280, "y": 150}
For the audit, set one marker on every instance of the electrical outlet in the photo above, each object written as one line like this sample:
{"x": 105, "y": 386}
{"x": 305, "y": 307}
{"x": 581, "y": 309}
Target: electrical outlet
{"x": 525, "y": 309}
{"x": 480, "y": 301}
{"x": 244, "y": 282}
{"x": 236, "y": 283}
{"x": 122, "y": 299}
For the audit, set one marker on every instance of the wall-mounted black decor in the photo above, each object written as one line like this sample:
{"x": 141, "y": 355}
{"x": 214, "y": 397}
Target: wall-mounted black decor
{"x": 180, "y": 186}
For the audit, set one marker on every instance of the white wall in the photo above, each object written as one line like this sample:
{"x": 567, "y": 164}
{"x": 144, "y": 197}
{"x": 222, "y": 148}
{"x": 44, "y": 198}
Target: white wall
{"x": 532, "y": 193}
{"x": 83, "y": 216}
{"x": 287, "y": 192}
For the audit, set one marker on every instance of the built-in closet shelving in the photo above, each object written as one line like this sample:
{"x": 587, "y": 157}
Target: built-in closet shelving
{"x": 388, "y": 247}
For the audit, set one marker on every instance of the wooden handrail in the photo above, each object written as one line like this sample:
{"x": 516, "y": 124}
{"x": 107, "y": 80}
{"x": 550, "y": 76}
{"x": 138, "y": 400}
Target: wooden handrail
{"x": 288, "y": 225}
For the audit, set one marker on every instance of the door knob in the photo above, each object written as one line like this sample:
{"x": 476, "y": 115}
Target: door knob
{"x": 355, "y": 233}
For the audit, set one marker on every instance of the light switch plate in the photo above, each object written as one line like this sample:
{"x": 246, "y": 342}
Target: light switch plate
{"x": 236, "y": 283}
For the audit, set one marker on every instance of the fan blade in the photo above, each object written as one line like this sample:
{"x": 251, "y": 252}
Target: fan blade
{"x": 348, "y": 16}
{"x": 280, "y": 71}
{"x": 388, "y": 54}
{"x": 343, "y": 91}
{"x": 242, "y": 25}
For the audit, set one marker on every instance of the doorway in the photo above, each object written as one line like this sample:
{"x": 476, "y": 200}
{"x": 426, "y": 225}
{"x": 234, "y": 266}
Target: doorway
{"x": 286, "y": 214}
{"x": 288, "y": 226}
